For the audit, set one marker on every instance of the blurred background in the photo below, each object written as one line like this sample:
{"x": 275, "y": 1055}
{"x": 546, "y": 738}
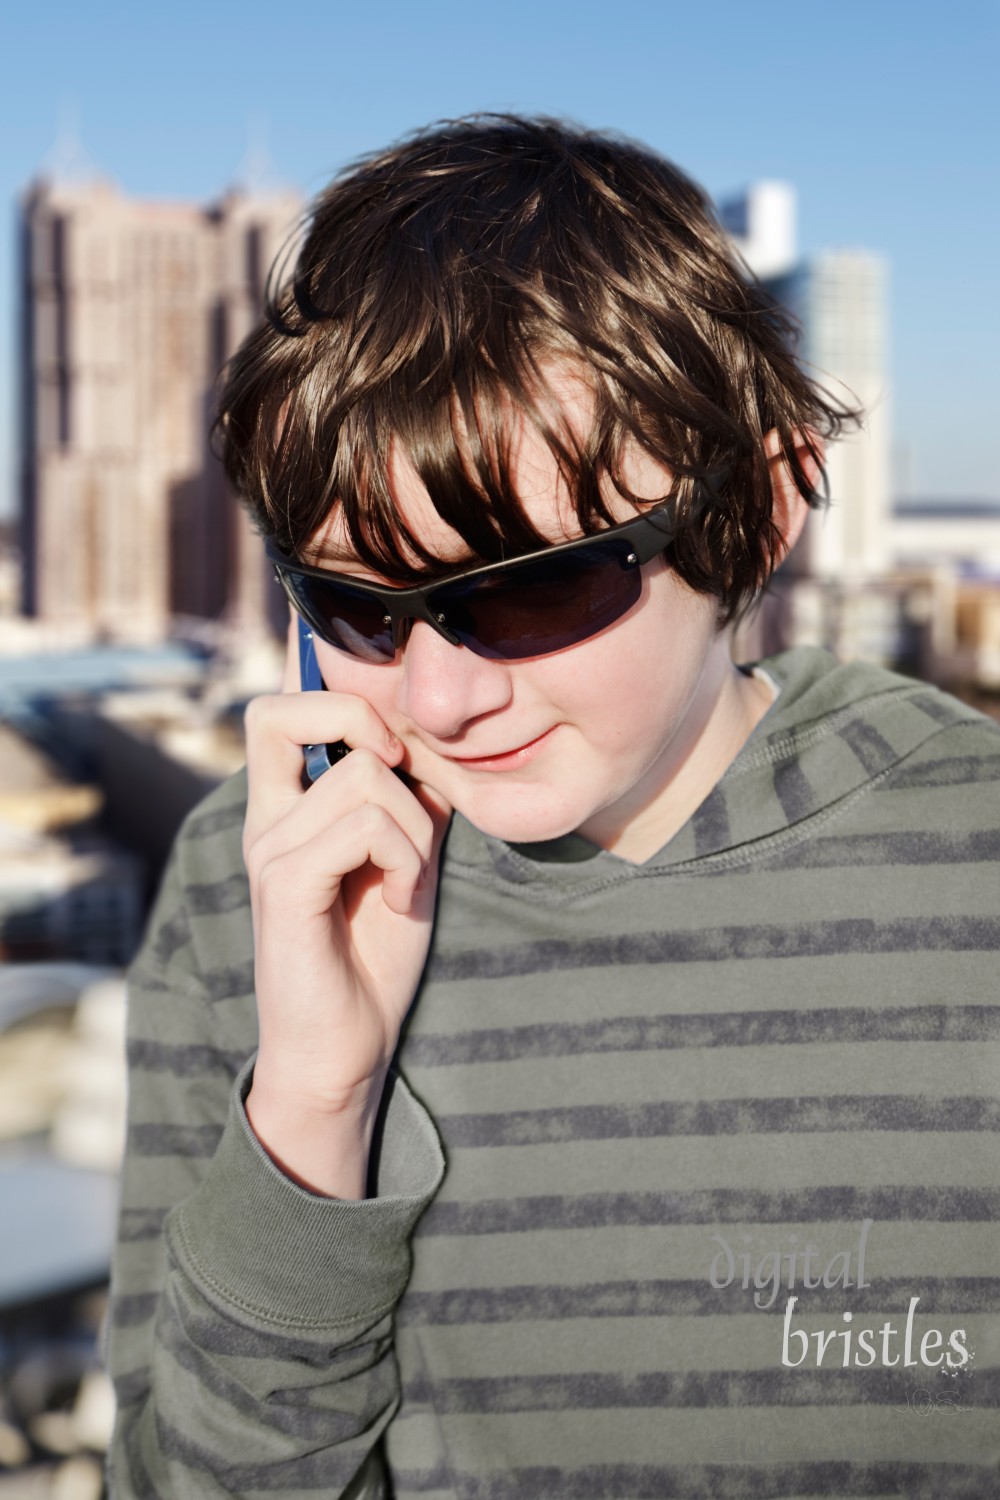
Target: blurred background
{"x": 154, "y": 159}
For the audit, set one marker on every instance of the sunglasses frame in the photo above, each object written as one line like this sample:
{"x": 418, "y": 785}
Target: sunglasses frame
{"x": 646, "y": 536}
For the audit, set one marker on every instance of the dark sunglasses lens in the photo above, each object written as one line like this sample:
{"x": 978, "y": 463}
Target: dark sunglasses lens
{"x": 535, "y": 608}
{"x": 343, "y": 617}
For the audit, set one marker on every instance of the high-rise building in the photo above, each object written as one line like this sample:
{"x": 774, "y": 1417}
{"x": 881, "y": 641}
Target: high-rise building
{"x": 129, "y": 309}
{"x": 762, "y": 224}
{"x": 839, "y": 299}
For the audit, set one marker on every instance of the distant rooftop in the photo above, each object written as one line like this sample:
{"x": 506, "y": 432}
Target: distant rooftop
{"x": 98, "y": 669}
{"x": 939, "y": 508}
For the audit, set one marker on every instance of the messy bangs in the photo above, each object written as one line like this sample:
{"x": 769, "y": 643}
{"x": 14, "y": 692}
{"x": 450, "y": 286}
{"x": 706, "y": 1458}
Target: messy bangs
{"x": 437, "y": 287}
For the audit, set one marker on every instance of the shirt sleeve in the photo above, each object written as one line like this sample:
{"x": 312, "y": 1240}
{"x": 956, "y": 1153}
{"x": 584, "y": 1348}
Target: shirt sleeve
{"x": 251, "y": 1329}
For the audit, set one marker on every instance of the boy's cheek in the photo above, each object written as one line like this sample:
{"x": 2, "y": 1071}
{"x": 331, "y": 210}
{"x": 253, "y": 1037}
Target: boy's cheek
{"x": 372, "y": 683}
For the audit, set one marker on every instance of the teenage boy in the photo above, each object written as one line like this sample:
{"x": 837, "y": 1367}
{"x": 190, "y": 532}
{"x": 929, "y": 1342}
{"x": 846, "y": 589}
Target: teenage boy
{"x": 655, "y": 1161}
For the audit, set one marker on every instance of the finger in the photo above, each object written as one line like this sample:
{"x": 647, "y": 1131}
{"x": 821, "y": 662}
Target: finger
{"x": 358, "y": 780}
{"x": 279, "y": 724}
{"x": 305, "y": 881}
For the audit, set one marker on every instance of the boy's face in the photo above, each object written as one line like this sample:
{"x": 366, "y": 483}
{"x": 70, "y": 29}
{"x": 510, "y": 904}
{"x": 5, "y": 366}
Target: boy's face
{"x": 601, "y": 736}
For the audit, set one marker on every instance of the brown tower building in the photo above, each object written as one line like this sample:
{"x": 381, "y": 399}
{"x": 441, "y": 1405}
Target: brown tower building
{"x": 129, "y": 309}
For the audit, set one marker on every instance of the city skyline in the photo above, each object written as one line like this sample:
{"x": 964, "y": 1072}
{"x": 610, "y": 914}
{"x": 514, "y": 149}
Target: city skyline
{"x": 130, "y": 307}
{"x": 882, "y": 130}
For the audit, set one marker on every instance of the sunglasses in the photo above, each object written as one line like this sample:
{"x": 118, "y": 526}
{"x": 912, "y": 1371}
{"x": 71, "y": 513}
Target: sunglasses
{"x": 505, "y": 611}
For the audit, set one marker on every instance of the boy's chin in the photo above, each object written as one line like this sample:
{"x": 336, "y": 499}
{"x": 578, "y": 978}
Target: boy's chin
{"x": 529, "y": 821}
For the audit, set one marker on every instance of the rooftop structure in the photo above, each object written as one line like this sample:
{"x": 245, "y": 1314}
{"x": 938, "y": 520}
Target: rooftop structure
{"x": 959, "y": 534}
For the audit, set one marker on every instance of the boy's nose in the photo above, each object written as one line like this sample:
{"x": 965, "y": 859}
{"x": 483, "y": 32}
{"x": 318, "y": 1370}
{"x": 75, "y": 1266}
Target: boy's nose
{"x": 445, "y": 687}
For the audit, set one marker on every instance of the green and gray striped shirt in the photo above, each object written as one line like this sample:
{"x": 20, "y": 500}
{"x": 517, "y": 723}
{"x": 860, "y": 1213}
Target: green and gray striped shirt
{"x": 688, "y": 1180}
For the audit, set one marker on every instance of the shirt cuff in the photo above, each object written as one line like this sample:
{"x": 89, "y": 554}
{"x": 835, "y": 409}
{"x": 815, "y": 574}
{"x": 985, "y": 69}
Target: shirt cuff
{"x": 257, "y": 1242}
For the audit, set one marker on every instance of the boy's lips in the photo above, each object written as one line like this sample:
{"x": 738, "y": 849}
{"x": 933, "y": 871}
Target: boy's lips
{"x": 503, "y": 760}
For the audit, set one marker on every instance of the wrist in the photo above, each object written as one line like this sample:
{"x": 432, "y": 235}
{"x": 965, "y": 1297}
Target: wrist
{"x": 322, "y": 1142}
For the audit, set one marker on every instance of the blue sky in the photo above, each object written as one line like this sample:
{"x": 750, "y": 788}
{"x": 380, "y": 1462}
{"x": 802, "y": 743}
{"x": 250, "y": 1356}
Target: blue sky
{"x": 882, "y": 115}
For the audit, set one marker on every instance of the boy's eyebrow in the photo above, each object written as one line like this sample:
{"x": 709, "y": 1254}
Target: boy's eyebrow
{"x": 351, "y": 566}
{"x": 332, "y": 554}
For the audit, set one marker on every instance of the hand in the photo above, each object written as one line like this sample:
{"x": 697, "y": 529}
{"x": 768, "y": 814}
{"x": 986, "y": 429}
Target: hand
{"x": 343, "y": 879}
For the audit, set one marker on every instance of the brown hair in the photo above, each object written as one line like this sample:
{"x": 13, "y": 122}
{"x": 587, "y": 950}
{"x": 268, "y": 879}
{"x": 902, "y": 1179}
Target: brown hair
{"x": 433, "y": 283}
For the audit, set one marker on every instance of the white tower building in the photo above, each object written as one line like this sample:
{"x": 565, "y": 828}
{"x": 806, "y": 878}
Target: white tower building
{"x": 839, "y": 299}
{"x": 762, "y": 224}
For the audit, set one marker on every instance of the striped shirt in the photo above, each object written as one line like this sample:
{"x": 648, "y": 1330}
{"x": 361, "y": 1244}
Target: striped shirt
{"x": 688, "y": 1180}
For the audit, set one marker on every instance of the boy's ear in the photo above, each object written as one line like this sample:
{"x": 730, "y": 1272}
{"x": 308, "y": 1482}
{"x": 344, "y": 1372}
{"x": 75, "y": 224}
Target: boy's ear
{"x": 789, "y": 509}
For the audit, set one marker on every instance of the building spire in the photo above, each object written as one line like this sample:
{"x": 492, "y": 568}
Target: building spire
{"x": 255, "y": 173}
{"x": 68, "y": 163}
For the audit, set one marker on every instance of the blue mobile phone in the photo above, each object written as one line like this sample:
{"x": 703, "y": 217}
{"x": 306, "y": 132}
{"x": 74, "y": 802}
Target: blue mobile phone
{"x": 316, "y": 758}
